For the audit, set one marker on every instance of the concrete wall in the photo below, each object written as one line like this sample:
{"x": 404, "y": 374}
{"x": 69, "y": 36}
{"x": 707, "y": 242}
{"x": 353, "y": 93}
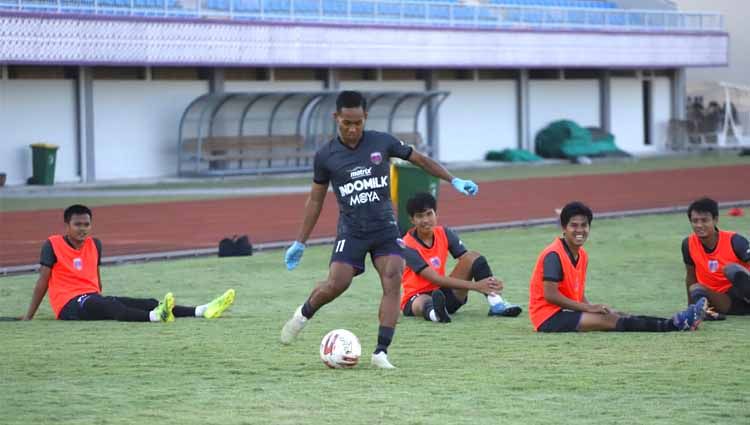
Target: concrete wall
{"x": 37, "y": 111}
{"x": 552, "y": 100}
{"x": 477, "y": 117}
{"x": 661, "y": 111}
{"x": 627, "y": 114}
{"x": 135, "y": 126}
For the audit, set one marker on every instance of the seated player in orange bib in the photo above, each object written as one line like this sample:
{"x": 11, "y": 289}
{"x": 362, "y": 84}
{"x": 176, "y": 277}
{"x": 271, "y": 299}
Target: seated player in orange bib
{"x": 557, "y": 300}
{"x": 428, "y": 292}
{"x": 70, "y": 272}
{"x": 716, "y": 263}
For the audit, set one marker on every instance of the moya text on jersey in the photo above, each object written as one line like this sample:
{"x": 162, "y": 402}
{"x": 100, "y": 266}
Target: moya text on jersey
{"x": 362, "y": 190}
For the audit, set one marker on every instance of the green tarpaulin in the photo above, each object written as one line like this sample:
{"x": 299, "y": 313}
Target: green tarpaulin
{"x": 566, "y": 139}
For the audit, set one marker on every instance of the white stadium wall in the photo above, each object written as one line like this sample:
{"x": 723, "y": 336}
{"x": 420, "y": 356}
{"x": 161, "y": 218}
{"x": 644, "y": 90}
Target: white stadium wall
{"x": 135, "y": 126}
{"x": 477, "y": 117}
{"x": 552, "y": 100}
{"x": 37, "y": 111}
{"x": 661, "y": 111}
{"x": 627, "y": 114}
{"x": 136, "y": 121}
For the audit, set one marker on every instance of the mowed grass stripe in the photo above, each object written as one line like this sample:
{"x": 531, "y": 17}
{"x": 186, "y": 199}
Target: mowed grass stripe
{"x": 476, "y": 370}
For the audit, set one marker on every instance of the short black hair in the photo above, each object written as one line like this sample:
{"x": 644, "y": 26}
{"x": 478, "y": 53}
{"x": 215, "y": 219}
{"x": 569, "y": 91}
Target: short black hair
{"x": 704, "y": 205}
{"x": 420, "y": 202}
{"x": 76, "y": 209}
{"x": 573, "y": 209}
{"x": 350, "y": 99}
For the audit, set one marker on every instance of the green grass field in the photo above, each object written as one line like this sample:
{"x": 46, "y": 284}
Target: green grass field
{"x": 476, "y": 370}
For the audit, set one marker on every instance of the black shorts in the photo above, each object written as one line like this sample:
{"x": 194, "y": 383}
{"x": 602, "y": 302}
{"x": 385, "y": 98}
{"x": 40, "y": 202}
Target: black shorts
{"x": 352, "y": 250}
{"x": 73, "y": 309}
{"x": 562, "y": 321}
{"x": 452, "y": 303}
{"x": 98, "y": 307}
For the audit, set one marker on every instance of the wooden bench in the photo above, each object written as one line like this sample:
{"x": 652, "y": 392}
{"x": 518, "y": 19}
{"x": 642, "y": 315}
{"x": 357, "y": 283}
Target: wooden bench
{"x": 221, "y": 151}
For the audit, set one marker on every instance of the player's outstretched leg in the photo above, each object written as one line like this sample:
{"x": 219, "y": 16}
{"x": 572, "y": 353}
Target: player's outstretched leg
{"x": 340, "y": 276}
{"x": 163, "y": 312}
{"x": 218, "y": 305}
{"x": 690, "y": 318}
{"x": 293, "y": 326}
{"x": 390, "y": 268}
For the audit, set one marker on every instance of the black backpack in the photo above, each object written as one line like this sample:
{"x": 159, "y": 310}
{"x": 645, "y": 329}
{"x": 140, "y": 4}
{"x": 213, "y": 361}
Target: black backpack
{"x": 235, "y": 246}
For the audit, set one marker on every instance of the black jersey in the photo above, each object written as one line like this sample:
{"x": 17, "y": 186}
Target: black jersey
{"x": 360, "y": 178}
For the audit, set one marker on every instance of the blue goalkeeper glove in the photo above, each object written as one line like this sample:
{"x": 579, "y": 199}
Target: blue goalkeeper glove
{"x": 294, "y": 255}
{"x": 467, "y": 187}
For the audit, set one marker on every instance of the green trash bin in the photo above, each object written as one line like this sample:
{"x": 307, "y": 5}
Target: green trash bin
{"x": 407, "y": 180}
{"x": 43, "y": 161}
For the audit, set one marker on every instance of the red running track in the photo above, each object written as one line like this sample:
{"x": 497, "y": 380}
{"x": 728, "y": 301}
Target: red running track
{"x": 170, "y": 226}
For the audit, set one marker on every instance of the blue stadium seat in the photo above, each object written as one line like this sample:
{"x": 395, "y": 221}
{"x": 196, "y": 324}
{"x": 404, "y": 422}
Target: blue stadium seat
{"x": 388, "y": 10}
{"x": 487, "y": 16}
{"x": 222, "y": 5}
{"x": 337, "y": 8}
{"x": 276, "y": 7}
{"x": 438, "y": 13}
{"x": 414, "y": 11}
{"x": 306, "y": 6}
{"x": 247, "y": 6}
{"x": 463, "y": 13}
{"x": 617, "y": 19}
{"x": 362, "y": 9}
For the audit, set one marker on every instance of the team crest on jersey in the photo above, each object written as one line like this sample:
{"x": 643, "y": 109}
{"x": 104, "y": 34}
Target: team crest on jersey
{"x": 713, "y": 266}
{"x": 376, "y": 158}
{"x": 435, "y": 262}
{"x": 78, "y": 264}
{"x": 400, "y": 242}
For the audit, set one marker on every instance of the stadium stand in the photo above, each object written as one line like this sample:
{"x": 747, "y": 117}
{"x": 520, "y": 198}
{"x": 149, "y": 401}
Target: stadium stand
{"x": 437, "y": 13}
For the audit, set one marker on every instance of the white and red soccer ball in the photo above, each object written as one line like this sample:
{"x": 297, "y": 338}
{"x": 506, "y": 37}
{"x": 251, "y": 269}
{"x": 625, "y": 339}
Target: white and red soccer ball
{"x": 340, "y": 349}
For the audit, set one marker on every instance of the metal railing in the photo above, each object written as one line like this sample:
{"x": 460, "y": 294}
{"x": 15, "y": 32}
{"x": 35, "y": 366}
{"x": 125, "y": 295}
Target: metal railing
{"x": 377, "y": 12}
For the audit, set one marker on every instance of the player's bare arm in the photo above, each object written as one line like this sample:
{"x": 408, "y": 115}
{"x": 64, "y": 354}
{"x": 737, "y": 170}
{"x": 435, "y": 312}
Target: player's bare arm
{"x": 313, "y": 206}
{"x": 40, "y": 290}
{"x": 485, "y": 286}
{"x": 552, "y": 295}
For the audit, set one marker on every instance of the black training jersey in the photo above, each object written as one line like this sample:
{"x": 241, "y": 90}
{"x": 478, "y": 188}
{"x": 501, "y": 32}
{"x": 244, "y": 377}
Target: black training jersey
{"x": 360, "y": 178}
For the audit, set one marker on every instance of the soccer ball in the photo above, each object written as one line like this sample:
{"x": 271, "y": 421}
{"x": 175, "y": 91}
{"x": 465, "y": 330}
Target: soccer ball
{"x": 340, "y": 349}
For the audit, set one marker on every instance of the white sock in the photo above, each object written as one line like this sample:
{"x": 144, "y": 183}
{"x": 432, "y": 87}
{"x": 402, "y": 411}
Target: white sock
{"x": 433, "y": 316}
{"x": 199, "y": 310}
{"x": 298, "y": 314}
{"x": 153, "y": 317}
{"x": 494, "y": 299}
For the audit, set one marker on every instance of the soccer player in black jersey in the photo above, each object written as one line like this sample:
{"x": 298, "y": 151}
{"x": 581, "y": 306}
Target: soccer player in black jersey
{"x": 356, "y": 165}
